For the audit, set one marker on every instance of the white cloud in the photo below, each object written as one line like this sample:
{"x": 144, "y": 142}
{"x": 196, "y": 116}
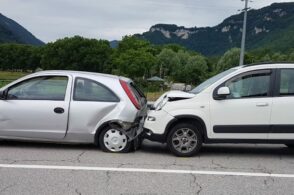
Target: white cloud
{"x": 112, "y": 19}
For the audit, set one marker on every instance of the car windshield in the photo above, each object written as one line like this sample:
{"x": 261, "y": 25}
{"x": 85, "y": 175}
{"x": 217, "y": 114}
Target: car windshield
{"x": 212, "y": 80}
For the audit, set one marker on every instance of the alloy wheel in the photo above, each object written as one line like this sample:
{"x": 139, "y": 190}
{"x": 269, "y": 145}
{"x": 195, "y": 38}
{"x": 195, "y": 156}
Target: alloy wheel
{"x": 184, "y": 140}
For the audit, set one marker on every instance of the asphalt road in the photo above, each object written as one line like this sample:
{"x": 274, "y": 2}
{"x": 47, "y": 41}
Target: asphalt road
{"x": 84, "y": 169}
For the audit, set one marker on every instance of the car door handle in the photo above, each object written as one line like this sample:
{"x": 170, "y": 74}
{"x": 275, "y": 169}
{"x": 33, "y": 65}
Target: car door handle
{"x": 262, "y": 104}
{"x": 59, "y": 110}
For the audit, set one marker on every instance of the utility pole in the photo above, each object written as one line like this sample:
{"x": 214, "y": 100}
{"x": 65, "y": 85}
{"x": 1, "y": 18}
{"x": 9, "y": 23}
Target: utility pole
{"x": 242, "y": 53}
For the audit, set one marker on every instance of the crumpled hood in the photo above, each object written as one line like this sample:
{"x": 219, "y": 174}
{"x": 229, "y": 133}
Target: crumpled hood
{"x": 172, "y": 96}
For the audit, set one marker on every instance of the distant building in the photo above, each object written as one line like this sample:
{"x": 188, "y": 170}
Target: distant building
{"x": 156, "y": 79}
{"x": 178, "y": 86}
{"x": 181, "y": 87}
{"x": 188, "y": 88}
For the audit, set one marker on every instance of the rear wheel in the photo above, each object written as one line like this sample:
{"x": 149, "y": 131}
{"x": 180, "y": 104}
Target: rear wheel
{"x": 113, "y": 140}
{"x": 184, "y": 140}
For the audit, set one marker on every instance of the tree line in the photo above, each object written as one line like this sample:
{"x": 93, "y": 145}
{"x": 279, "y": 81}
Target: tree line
{"x": 134, "y": 58}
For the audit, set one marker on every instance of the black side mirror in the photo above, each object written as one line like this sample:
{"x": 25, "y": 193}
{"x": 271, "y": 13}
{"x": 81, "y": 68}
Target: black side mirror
{"x": 3, "y": 95}
{"x": 222, "y": 93}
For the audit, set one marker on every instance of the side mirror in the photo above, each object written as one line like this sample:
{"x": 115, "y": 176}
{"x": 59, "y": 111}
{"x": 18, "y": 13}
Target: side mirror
{"x": 3, "y": 95}
{"x": 223, "y": 92}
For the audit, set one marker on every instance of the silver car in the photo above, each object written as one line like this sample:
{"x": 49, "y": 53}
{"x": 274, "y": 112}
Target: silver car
{"x": 76, "y": 107}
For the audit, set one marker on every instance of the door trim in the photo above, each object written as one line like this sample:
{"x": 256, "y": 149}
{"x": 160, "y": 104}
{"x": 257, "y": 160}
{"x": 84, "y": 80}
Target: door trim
{"x": 253, "y": 128}
{"x": 241, "y": 128}
{"x": 282, "y": 129}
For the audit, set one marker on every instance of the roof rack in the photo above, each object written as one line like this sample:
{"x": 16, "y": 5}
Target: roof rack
{"x": 269, "y": 62}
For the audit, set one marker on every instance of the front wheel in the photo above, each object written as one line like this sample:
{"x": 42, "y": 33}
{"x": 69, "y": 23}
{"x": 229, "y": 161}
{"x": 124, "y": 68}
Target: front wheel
{"x": 184, "y": 140}
{"x": 113, "y": 140}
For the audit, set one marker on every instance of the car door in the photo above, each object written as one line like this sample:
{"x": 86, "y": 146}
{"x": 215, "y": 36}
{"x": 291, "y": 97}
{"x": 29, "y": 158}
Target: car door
{"x": 282, "y": 122}
{"x": 91, "y": 102}
{"x": 36, "y": 108}
{"x": 245, "y": 113}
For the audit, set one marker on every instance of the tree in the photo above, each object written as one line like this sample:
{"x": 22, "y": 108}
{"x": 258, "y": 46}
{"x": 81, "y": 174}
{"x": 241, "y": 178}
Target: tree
{"x": 132, "y": 42}
{"x": 135, "y": 63}
{"x": 196, "y": 69}
{"x": 175, "y": 47}
{"x": 18, "y": 57}
{"x": 291, "y": 57}
{"x": 167, "y": 60}
{"x": 178, "y": 68}
{"x": 265, "y": 58}
{"x": 133, "y": 58}
{"x": 77, "y": 53}
{"x": 228, "y": 60}
{"x": 278, "y": 57}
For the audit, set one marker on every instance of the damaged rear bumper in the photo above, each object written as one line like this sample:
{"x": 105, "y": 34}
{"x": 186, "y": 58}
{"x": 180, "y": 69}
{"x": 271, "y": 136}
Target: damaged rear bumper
{"x": 131, "y": 130}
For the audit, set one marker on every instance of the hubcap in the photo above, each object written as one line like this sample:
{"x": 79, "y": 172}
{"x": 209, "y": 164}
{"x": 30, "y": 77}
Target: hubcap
{"x": 115, "y": 140}
{"x": 184, "y": 140}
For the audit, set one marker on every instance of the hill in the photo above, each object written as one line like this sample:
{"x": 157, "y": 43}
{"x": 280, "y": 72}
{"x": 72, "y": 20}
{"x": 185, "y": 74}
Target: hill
{"x": 12, "y": 32}
{"x": 270, "y": 27}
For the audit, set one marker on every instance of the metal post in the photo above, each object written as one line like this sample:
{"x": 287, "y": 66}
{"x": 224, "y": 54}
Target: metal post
{"x": 243, "y": 34}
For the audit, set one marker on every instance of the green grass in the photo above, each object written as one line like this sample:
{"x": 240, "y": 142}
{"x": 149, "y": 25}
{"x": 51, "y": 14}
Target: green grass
{"x": 152, "y": 96}
{"x": 4, "y": 75}
{"x": 3, "y": 83}
{"x": 7, "y": 77}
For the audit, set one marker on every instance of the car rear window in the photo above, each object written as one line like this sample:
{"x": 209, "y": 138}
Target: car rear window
{"x": 138, "y": 92}
{"x": 89, "y": 90}
{"x": 287, "y": 82}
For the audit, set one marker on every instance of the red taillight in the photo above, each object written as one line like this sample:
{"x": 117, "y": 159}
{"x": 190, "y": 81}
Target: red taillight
{"x": 130, "y": 94}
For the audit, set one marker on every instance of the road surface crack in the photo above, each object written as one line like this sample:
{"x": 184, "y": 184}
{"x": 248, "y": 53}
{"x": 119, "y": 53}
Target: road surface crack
{"x": 266, "y": 181}
{"x": 77, "y": 191}
{"x": 264, "y": 169}
{"x": 108, "y": 178}
{"x": 218, "y": 165}
{"x": 19, "y": 161}
{"x": 80, "y": 155}
{"x": 199, "y": 187}
{"x": 6, "y": 188}
{"x": 121, "y": 165}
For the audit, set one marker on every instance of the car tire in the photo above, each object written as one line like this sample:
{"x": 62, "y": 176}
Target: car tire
{"x": 139, "y": 142}
{"x": 184, "y": 140}
{"x": 290, "y": 146}
{"x": 114, "y": 141}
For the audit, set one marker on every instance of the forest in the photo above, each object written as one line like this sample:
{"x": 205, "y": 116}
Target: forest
{"x": 133, "y": 57}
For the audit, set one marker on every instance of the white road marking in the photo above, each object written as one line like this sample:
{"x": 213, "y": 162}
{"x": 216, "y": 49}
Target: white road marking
{"x": 173, "y": 171}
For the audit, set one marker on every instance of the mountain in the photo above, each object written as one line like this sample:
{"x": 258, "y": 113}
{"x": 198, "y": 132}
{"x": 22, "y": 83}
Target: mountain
{"x": 114, "y": 43}
{"x": 270, "y": 27}
{"x": 12, "y": 32}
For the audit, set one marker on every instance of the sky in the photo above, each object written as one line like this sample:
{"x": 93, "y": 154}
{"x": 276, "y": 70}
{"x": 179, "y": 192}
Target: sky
{"x": 49, "y": 20}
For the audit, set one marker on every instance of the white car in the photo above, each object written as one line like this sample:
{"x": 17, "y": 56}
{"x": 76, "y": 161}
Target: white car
{"x": 75, "y": 107}
{"x": 246, "y": 104}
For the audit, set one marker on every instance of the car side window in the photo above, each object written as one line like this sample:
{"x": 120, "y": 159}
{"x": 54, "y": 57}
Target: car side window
{"x": 89, "y": 90}
{"x": 39, "y": 88}
{"x": 286, "y": 87}
{"x": 255, "y": 84}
